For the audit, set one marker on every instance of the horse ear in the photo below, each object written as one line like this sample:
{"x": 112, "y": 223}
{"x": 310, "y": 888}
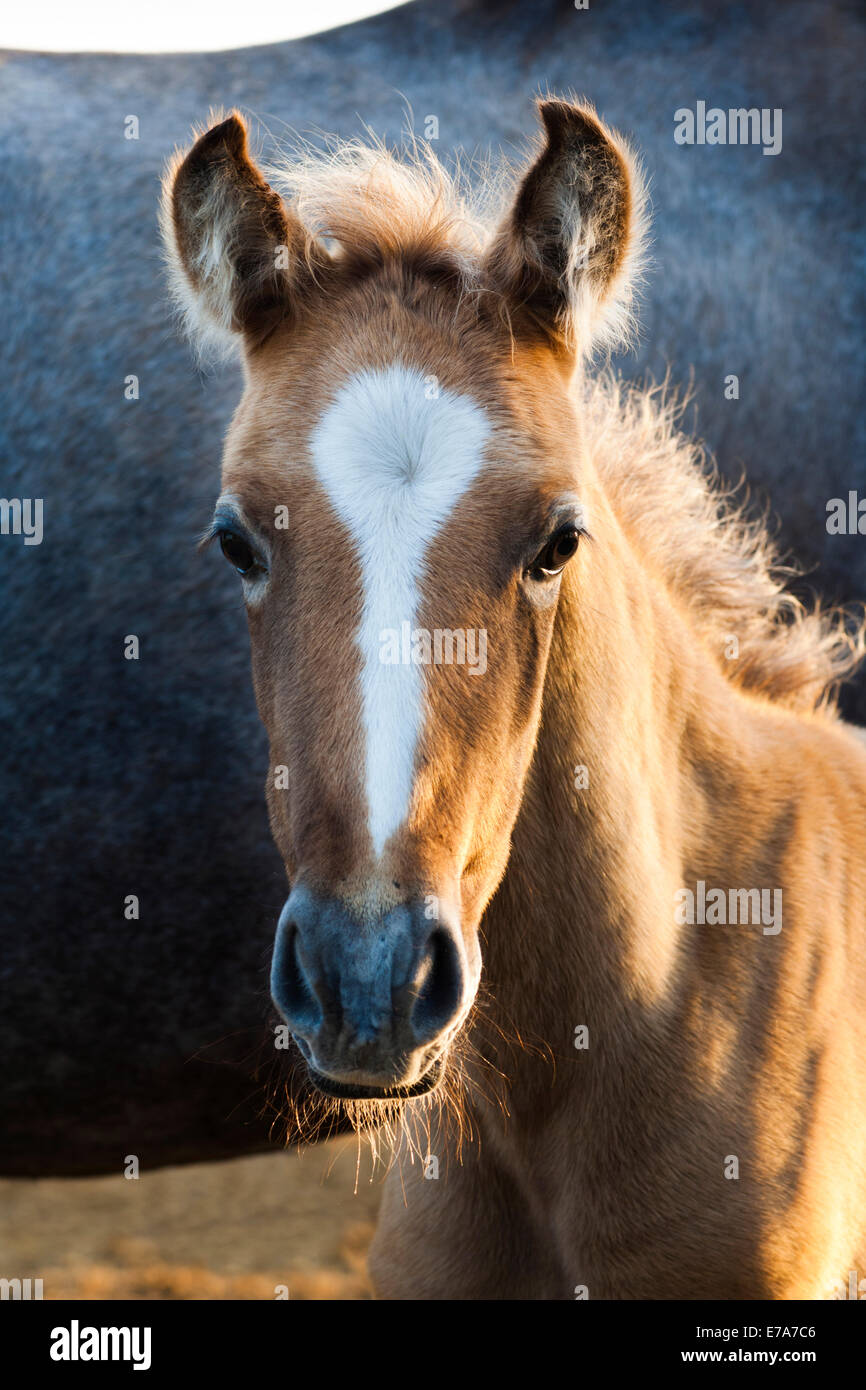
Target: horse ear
{"x": 236, "y": 253}
{"x": 567, "y": 256}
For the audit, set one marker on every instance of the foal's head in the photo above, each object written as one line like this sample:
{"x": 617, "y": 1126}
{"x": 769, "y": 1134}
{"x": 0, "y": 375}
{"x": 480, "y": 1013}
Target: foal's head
{"x": 401, "y": 497}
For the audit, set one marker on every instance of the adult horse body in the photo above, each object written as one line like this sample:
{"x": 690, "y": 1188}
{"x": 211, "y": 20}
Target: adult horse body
{"x": 125, "y": 778}
{"x": 640, "y": 821}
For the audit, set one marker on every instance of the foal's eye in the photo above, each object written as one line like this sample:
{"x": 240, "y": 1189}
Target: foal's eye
{"x": 556, "y": 554}
{"x": 237, "y": 552}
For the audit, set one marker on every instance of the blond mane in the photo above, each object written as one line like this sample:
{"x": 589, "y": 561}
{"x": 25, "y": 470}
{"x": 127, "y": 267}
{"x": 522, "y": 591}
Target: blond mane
{"x": 368, "y": 202}
{"x": 719, "y": 559}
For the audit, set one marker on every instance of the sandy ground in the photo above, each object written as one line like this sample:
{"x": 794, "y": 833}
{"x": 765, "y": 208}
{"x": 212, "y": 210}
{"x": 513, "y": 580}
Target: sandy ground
{"x": 209, "y": 1231}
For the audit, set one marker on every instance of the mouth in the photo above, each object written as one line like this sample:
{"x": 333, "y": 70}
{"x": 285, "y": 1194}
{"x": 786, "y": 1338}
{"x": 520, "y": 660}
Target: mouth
{"x": 346, "y": 1090}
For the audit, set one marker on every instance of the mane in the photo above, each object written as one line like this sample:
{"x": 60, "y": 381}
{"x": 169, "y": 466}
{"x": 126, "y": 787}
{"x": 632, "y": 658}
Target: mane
{"x": 713, "y": 552}
{"x": 368, "y": 203}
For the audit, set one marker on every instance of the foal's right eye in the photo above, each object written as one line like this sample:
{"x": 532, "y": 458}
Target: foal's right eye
{"x": 237, "y": 552}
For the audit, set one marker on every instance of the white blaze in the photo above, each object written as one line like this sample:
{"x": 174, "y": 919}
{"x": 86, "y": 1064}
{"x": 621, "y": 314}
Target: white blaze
{"x": 394, "y": 463}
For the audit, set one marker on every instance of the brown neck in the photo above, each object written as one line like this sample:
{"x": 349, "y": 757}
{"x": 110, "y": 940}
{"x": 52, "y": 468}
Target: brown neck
{"x": 583, "y": 928}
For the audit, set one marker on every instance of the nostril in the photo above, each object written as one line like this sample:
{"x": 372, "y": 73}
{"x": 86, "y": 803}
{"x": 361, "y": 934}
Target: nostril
{"x": 440, "y": 987}
{"x": 290, "y": 988}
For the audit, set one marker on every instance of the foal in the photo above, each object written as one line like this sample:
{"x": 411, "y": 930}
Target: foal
{"x": 606, "y": 887}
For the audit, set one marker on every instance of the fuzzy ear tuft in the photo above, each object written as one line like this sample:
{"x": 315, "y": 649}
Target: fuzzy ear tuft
{"x": 236, "y": 254}
{"x": 569, "y": 253}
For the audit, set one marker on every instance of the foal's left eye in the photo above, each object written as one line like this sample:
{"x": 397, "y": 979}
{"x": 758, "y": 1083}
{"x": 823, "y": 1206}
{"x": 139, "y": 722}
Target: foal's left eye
{"x": 556, "y": 554}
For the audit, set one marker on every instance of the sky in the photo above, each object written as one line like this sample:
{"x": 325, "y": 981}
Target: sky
{"x": 170, "y": 26}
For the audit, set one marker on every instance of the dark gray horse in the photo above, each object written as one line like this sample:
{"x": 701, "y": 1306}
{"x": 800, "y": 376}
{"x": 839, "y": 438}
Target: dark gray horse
{"x": 143, "y": 778}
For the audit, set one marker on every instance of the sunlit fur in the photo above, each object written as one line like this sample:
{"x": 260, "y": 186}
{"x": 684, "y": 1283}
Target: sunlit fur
{"x": 713, "y": 552}
{"x": 670, "y": 664}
